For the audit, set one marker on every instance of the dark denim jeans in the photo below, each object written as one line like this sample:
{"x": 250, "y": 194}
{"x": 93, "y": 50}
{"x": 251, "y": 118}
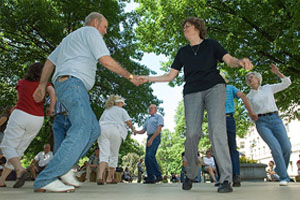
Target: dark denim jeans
{"x": 231, "y": 136}
{"x": 273, "y": 132}
{"x": 81, "y": 135}
{"x": 60, "y": 126}
{"x": 152, "y": 167}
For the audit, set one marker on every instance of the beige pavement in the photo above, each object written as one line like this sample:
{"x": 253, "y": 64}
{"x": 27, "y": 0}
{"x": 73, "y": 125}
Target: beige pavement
{"x": 134, "y": 191}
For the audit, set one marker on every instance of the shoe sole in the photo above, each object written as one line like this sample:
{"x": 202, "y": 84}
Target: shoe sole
{"x": 100, "y": 182}
{"x": 223, "y": 191}
{"x": 63, "y": 191}
{"x": 76, "y": 186}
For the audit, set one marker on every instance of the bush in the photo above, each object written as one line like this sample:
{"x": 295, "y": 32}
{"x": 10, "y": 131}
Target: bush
{"x": 245, "y": 160}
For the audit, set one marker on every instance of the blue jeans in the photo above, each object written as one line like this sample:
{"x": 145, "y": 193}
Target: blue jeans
{"x": 152, "y": 167}
{"x": 273, "y": 132}
{"x": 198, "y": 178}
{"x": 231, "y": 136}
{"x": 60, "y": 126}
{"x": 81, "y": 135}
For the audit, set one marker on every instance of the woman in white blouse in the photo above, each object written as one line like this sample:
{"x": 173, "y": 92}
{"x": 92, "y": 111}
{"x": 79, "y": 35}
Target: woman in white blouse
{"x": 269, "y": 125}
{"x": 113, "y": 129}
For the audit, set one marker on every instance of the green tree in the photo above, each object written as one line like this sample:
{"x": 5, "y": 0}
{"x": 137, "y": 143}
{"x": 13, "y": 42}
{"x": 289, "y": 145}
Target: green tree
{"x": 30, "y": 31}
{"x": 131, "y": 160}
{"x": 264, "y": 31}
{"x": 130, "y": 146}
{"x": 169, "y": 152}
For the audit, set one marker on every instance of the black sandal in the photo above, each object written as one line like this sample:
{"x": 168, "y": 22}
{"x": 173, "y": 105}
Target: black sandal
{"x": 21, "y": 181}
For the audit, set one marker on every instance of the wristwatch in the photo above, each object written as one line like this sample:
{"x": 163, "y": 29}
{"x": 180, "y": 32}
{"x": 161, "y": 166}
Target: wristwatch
{"x": 130, "y": 77}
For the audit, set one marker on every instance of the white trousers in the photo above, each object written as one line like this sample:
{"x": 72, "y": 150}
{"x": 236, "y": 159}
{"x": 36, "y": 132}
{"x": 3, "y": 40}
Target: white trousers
{"x": 109, "y": 143}
{"x": 20, "y": 131}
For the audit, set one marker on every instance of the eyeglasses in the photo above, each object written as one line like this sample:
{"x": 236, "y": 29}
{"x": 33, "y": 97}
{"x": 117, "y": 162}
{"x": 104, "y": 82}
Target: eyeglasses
{"x": 186, "y": 26}
{"x": 251, "y": 76}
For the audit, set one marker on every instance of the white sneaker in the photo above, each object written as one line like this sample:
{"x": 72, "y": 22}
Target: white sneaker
{"x": 70, "y": 179}
{"x": 283, "y": 183}
{"x": 56, "y": 186}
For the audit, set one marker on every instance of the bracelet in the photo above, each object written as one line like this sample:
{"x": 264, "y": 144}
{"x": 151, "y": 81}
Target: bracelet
{"x": 130, "y": 77}
{"x": 148, "y": 78}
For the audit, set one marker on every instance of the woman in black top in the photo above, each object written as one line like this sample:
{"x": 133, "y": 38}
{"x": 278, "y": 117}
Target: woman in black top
{"x": 204, "y": 88}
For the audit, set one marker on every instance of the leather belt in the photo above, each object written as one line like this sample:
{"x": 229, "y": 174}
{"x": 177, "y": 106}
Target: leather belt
{"x": 266, "y": 114}
{"x": 229, "y": 114}
{"x": 64, "y": 77}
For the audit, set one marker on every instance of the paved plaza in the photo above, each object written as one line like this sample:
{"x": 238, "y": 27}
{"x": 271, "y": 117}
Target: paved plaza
{"x": 134, "y": 191}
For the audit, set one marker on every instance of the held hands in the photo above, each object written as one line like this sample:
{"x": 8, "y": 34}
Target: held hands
{"x": 246, "y": 63}
{"x": 139, "y": 80}
{"x": 144, "y": 79}
{"x": 136, "y": 80}
{"x": 49, "y": 111}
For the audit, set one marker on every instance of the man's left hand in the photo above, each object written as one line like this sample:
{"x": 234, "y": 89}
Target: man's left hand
{"x": 149, "y": 143}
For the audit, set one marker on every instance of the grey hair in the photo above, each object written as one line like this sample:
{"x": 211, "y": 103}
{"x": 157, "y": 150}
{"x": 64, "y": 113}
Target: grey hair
{"x": 92, "y": 16}
{"x": 256, "y": 74}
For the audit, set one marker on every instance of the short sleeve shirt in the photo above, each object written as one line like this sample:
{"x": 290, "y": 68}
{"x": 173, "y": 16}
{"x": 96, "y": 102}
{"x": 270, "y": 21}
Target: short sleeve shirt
{"x": 200, "y": 71}
{"x": 26, "y": 102}
{"x": 209, "y": 161}
{"x": 116, "y": 115}
{"x": 78, "y": 54}
{"x": 230, "y": 95}
{"x": 152, "y": 123}
{"x": 43, "y": 159}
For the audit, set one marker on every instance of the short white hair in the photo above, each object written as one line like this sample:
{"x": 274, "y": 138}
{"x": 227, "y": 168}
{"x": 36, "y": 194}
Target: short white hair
{"x": 92, "y": 16}
{"x": 256, "y": 74}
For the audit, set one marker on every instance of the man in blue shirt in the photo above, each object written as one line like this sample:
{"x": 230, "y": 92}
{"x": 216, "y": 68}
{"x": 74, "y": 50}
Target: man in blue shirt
{"x": 152, "y": 126}
{"x": 231, "y": 93}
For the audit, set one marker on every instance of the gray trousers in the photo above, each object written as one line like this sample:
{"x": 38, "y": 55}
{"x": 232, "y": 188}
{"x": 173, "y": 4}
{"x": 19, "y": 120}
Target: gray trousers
{"x": 213, "y": 100}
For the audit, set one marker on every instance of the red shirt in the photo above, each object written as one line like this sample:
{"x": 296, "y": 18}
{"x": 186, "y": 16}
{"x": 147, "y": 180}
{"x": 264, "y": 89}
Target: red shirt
{"x": 26, "y": 102}
{"x": 298, "y": 162}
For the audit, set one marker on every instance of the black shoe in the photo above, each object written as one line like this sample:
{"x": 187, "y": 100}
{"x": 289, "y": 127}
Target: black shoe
{"x": 149, "y": 181}
{"x": 217, "y": 184}
{"x": 158, "y": 179}
{"x": 187, "y": 183}
{"x": 21, "y": 181}
{"x": 236, "y": 181}
{"x": 225, "y": 187}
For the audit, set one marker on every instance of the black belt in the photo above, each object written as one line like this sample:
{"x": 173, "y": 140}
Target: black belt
{"x": 229, "y": 114}
{"x": 266, "y": 114}
{"x": 62, "y": 113}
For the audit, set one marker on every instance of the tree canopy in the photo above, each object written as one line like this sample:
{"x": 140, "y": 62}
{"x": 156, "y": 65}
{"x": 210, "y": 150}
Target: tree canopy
{"x": 31, "y": 30}
{"x": 265, "y": 31}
